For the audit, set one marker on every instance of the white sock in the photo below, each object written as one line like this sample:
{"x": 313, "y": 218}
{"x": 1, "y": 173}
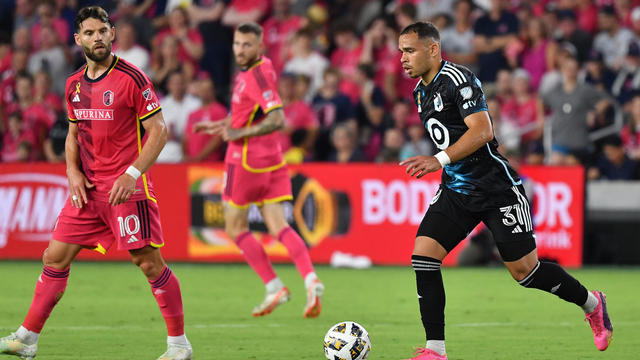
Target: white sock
{"x": 26, "y": 336}
{"x": 178, "y": 340}
{"x": 309, "y": 279}
{"x": 591, "y": 303}
{"x": 274, "y": 285}
{"x": 437, "y": 346}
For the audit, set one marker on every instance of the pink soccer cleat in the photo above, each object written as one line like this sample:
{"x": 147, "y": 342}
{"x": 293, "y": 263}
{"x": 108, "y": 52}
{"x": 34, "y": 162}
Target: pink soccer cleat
{"x": 427, "y": 354}
{"x": 600, "y": 322}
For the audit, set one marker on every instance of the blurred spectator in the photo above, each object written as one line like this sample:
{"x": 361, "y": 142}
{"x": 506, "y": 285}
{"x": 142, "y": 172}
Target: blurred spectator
{"x": 306, "y": 61}
{"x": 596, "y": 73}
{"x": 54, "y": 144}
{"x": 43, "y": 94}
{"x": 391, "y": 146}
{"x": 635, "y": 22}
{"x": 207, "y": 15}
{"x": 35, "y": 117}
{"x": 202, "y": 147}
{"x": 166, "y": 62}
{"x": 279, "y": 31}
{"x": 50, "y": 58}
{"x": 297, "y": 114}
{"x": 572, "y": 106}
{"x": 345, "y": 143}
{"x": 380, "y": 51}
{"x": 403, "y": 113}
{"x": 504, "y": 83}
{"x": 370, "y": 111}
{"x": 22, "y": 39}
{"x": 241, "y": 11}
{"x": 417, "y": 143}
{"x": 346, "y": 57}
{"x": 613, "y": 40}
{"x": 331, "y": 107}
{"x": 190, "y": 44}
{"x": 428, "y": 9}
{"x": 614, "y": 164}
{"x": 493, "y": 32}
{"x": 568, "y": 31}
{"x": 623, "y": 11}
{"x": 457, "y": 40}
{"x": 297, "y": 153}
{"x": 631, "y": 131}
{"x": 521, "y": 112}
{"x": 587, "y": 15}
{"x": 19, "y": 61}
{"x": 538, "y": 51}
{"x": 553, "y": 77}
{"x": 5, "y": 53}
{"x": 405, "y": 14}
{"x": 25, "y": 14}
{"x": 127, "y": 48}
{"x": 176, "y": 108}
{"x": 627, "y": 81}
{"x": 14, "y": 140}
{"x": 47, "y": 18}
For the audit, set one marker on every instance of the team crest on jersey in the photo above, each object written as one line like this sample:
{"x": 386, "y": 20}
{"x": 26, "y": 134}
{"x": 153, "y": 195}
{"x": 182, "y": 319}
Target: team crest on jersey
{"x": 107, "y": 98}
{"x": 466, "y": 92}
{"x": 437, "y": 102}
{"x": 147, "y": 94}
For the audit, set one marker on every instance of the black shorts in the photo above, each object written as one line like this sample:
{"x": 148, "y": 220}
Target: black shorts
{"x": 452, "y": 216}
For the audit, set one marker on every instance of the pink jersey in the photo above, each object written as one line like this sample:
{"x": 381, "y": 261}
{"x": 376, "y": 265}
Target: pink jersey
{"x": 195, "y": 142}
{"x": 109, "y": 112}
{"x": 255, "y": 94}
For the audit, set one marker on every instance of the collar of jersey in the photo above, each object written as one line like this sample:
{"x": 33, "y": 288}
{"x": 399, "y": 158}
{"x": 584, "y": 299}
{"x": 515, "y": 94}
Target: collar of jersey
{"x": 258, "y": 62}
{"x": 442, "y": 64}
{"x": 104, "y": 74}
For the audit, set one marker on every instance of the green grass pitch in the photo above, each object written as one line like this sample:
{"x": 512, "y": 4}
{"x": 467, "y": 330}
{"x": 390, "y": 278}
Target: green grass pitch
{"x": 108, "y": 312}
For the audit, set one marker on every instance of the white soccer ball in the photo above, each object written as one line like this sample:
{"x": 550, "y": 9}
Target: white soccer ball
{"x": 347, "y": 340}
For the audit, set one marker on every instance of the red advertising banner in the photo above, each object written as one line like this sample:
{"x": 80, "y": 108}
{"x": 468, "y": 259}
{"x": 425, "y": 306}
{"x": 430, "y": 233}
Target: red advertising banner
{"x": 360, "y": 209}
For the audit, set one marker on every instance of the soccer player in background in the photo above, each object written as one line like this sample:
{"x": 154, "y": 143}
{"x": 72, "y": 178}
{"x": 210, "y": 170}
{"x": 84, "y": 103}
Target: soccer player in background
{"x": 478, "y": 184}
{"x": 255, "y": 172}
{"x": 110, "y": 104}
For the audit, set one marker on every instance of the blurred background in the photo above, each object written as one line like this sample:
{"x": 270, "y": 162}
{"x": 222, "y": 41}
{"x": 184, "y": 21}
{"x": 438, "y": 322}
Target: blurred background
{"x": 561, "y": 78}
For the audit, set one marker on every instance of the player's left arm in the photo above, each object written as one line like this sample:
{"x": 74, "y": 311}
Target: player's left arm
{"x": 156, "y": 131}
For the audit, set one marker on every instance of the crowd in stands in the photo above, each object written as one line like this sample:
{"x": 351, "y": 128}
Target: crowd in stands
{"x": 561, "y": 77}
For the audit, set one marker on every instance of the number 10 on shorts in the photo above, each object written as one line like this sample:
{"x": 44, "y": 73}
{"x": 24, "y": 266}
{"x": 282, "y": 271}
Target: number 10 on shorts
{"x": 129, "y": 226}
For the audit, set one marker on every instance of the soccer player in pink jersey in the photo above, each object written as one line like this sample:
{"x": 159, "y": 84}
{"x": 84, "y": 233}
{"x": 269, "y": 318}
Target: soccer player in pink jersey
{"x": 255, "y": 172}
{"x": 111, "y": 104}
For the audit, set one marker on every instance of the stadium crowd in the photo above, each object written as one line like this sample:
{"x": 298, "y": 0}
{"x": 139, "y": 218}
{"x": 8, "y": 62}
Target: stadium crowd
{"x": 561, "y": 78}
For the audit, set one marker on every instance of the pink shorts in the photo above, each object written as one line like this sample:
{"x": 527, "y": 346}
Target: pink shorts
{"x": 243, "y": 188}
{"x": 133, "y": 225}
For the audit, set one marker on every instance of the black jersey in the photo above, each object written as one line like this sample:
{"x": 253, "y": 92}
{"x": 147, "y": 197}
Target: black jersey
{"x": 454, "y": 94}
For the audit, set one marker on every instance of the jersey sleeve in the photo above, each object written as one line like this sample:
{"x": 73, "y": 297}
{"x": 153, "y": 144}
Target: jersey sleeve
{"x": 68, "y": 92}
{"x": 468, "y": 96}
{"x": 145, "y": 100}
{"x": 264, "y": 90}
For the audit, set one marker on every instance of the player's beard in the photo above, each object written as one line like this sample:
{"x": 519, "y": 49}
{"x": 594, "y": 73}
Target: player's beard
{"x": 247, "y": 62}
{"x": 94, "y": 56}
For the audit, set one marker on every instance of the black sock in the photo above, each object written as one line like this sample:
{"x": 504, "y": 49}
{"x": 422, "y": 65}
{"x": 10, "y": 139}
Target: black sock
{"x": 430, "y": 295}
{"x": 552, "y": 278}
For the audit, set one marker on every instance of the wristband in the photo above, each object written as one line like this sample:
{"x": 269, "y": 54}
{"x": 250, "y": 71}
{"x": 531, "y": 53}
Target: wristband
{"x": 135, "y": 173}
{"x": 443, "y": 158}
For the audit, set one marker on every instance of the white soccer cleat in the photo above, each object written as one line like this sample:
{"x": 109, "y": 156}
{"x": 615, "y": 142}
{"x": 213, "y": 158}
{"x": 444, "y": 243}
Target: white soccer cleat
{"x": 271, "y": 301}
{"x": 314, "y": 297}
{"x": 177, "y": 352}
{"x": 11, "y": 345}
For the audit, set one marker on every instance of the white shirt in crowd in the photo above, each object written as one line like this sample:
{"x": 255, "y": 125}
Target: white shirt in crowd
{"x": 176, "y": 113}
{"x": 137, "y": 55}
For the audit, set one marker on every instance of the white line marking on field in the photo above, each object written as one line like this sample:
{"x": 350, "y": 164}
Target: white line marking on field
{"x": 138, "y": 327}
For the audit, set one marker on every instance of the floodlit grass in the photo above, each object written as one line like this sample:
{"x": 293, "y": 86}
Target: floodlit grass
{"x": 108, "y": 312}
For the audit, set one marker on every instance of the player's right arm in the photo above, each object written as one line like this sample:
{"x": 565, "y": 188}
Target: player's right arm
{"x": 77, "y": 180}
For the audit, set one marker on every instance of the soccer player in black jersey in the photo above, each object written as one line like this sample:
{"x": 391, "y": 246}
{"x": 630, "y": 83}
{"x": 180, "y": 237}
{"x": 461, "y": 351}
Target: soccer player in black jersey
{"x": 478, "y": 184}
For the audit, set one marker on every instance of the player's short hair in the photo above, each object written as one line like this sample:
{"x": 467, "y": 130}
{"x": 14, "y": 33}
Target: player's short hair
{"x": 95, "y": 12}
{"x": 424, "y": 30}
{"x": 250, "y": 28}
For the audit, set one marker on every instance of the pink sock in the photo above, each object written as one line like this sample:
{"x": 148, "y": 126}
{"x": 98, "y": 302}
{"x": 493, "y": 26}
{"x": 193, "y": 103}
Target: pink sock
{"x": 166, "y": 290}
{"x": 297, "y": 250}
{"x": 256, "y": 256}
{"x": 49, "y": 289}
